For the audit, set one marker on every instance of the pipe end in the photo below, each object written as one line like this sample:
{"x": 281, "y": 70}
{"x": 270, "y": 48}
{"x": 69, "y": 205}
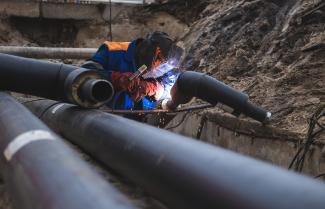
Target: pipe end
{"x": 267, "y": 117}
{"x": 97, "y": 90}
{"x": 88, "y": 89}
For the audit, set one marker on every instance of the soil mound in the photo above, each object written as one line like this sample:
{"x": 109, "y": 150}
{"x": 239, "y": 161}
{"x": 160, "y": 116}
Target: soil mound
{"x": 272, "y": 50}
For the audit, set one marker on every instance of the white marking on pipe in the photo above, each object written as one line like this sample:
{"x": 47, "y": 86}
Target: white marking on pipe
{"x": 24, "y": 139}
{"x": 57, "y": 107}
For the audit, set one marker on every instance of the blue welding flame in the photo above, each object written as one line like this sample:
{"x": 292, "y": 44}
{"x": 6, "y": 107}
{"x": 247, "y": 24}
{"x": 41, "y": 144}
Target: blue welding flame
{"x": 166, "y": 74}
{"x": 168, "y": 81}
{"x": 159, "y": 71}
{"x": 170, "y": 77}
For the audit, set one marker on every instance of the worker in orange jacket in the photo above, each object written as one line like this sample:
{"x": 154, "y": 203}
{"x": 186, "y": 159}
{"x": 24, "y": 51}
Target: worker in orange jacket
{"x": 118, "y": 61}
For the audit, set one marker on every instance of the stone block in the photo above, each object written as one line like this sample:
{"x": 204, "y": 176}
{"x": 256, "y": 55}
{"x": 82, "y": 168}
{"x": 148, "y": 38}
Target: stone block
{"x": 71, "y": 11}
{"x": 20, "y": 9}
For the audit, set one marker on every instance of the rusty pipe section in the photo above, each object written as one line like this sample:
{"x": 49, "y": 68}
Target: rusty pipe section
{"x": 62, "y": 82}
{"x": 193, "y": 84}
{"x": 181, "y": 172}
{"x": 41, "y": 171}
{"x": 49, "y": 52}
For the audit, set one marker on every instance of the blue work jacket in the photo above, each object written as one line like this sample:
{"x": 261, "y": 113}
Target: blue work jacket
{"x": 118, "y": 56}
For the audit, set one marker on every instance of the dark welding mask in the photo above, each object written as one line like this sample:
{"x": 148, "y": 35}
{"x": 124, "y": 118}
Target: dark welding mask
{"x": 157, "y": 49}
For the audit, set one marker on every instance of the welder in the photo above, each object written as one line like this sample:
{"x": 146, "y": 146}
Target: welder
{"x": 141, "y": 71}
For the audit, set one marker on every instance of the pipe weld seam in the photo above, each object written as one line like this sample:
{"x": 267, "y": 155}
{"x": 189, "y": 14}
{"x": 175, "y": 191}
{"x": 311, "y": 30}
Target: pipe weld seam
{"x": 24, "y": 139}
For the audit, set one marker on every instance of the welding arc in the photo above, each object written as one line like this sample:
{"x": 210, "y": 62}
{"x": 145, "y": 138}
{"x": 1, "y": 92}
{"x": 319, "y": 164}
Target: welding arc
{"x": 182, "y": 172}
{"x": 41, "y": 171}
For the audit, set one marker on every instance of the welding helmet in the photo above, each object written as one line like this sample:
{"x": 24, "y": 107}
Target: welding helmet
{"x": 157, "y": 48}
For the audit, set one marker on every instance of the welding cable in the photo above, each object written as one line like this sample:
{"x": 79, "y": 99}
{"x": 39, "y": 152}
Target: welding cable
{"x": 157, "y": 111}
{"x": 322, "y": 175}
{"x": 311, "y": 135}
{"x": 179, "y": 123}
{"x": 299, "y": 158}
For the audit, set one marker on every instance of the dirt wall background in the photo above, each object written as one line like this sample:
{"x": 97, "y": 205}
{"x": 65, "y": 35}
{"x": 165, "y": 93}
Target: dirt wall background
{"x": 272, "y": 50}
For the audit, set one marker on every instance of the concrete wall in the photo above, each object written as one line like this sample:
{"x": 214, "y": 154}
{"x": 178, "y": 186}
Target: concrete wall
{"x": 249, "y": 138}
{"x": 98, "y": 12}
{"x": 23, "y": 9}
{"x": 89, "y": 23}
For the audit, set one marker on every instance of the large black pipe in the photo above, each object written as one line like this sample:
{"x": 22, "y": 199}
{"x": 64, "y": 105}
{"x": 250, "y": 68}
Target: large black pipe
{"x": 41, "y": 171}
{"x": 193, "y": 84}
{"x": 54, "y": 81}
{"x": 182, "y": 172}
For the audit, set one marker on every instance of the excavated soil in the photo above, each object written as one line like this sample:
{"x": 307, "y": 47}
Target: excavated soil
{"x": 272, "y": 50}
{"x": 10, "y": 35}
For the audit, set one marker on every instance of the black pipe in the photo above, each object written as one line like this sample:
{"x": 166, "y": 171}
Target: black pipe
{"x": 193, "y": 84}
{"x": 41, "y": 171}
{"x": 54, "y": 81}
{"x": 182, "y": 172}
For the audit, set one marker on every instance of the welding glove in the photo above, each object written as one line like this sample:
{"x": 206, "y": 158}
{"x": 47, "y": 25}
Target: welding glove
{"x": 137, "y": 88}
{"x": 143, "y": 88}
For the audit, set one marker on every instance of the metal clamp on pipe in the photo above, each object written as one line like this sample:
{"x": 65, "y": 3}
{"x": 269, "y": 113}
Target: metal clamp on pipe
{"x": 193, "y": 84}
{"x": 83, "y": 87}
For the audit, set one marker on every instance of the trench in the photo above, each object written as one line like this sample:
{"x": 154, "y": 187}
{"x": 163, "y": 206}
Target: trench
{"x": 268, "y": 143}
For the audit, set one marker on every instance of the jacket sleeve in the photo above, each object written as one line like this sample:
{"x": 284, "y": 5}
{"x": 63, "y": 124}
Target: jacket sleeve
{"x": 99, "y": 61}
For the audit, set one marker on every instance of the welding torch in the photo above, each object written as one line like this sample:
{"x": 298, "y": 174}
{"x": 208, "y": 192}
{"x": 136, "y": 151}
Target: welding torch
{"x": 138, "y": 73}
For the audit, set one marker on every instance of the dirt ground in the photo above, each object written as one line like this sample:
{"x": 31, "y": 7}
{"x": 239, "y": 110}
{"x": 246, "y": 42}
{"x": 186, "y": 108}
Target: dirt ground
{"x": 10, "y": 35}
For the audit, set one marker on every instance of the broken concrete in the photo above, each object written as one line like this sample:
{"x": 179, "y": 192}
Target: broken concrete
{"x": 250, "y": 138}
